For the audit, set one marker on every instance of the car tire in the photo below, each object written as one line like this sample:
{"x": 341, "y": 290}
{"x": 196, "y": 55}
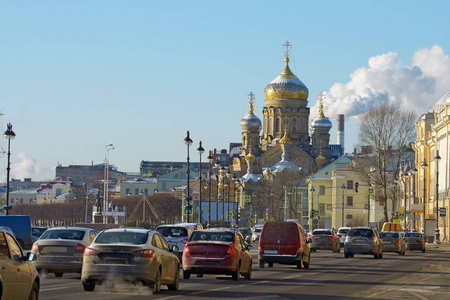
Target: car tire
{"x": 270, "y": 264}
{"x": 176, "y": 281}
{"x": 423, "y": 250}
{"x": 306, "y": 264}
{"x": 186, "y": 274}
{"x": 199, "y": 275}
{"x": 313, "y": 250}
{"x": 299, "y": 264}
{"x": 156, "y": 286}
{"x": 248, "y": 275}
{"x": 34, "y": 293}
{"x": 59, "y": 274}
{"x": 346, "y": 255}
{"x": 352, "y": 255}
{"x": 376, "y": 255}
{"x": 88, "y": 285}
{"x": 261, "y": 264}
{"x": 237, "y": 273}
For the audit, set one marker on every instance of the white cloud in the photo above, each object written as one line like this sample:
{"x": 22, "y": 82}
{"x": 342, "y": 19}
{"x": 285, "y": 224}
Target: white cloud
{"x": 415, "y": 87}
{"x": 28, "y": 168}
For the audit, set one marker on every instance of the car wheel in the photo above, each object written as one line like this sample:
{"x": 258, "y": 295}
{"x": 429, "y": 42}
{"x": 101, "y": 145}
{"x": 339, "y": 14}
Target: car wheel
{"x": 270, "y": 264}
{"x": 423, "y": 250}
{"x": 346, "y": 255}
{"x": 306, "y": 264}
{"x": 156, "y": 286}
{"x": 176, "y": 281}
{"x": 248, "y": 275}
{"x": 352, "y": 255}
{"x": 34, "y": 293}
{"x": 376, "y": 255}
{"x": 299, "y": 264}
{"x": 237, "y": 273}
{"x": 381, "y": 254}
{"x": 313, "y": 250}
{"x": 186, "y": 274}
{"x": 199, "y": 275}
{"x": 59, "y": 274}
{"x": 88, "y": 285}
{"x": 261, "y": 264}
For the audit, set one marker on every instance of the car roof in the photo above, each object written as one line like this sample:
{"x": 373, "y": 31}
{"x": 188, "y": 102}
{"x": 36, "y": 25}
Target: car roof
{"x": 70, "y": 228}
{"x": 125, "y": 229}
{"x": 187, "y": 225}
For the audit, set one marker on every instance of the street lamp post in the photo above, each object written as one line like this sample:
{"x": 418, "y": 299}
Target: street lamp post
{"x": 424, "y": 166}
{"x": 188, "y": 142}
{"x": 106, "y": 184}
{"x": 210, "y": 159}
{"x": 414, "y": 172}
{"x": 311, "y": 215}
{"x": 222, "y": 175}
{"x": 343, "y": 204}
{"x": 228, "y": 195}
{"x": 394, "y": 200}
{"x": 200, "y": 151}
{"x": 10, "y": 135}
{"x": 217, "y": 198}
{"x": 437, "y": 158}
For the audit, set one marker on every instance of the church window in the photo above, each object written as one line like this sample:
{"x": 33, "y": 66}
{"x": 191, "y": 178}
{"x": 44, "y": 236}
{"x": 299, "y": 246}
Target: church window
{"x": 244, "y": 141}
{"x": 277, "y": 125}
{"x": 270, "y": 125}
{"x": 286, "y": 125}
{"x": 300, "y": 127}
{"x": 265, "y": 125}
{"x": 294, "y": 125}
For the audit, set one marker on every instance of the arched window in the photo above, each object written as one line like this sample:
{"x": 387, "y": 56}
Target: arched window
{"x": 270, "y": 125}
{"x": 244, "y": 141}
{"x": 294, "y": 125}
{"x": 277, "y": 125}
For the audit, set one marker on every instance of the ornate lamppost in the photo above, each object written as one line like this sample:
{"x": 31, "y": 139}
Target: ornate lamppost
{"x": 188, "y": 142}
{"x": 424, "y": 166}
{"x": 200, "y": 151}
{"x": 437, "y": 158}
{"x": 10, "y": 135}
{"x": 343, "y": 204}
{"x": 210, "y": 159}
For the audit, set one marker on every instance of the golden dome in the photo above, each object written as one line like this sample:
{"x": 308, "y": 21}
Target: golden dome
{"x": 286, "y": 86}
{"x": 320, "y": 159}
{"x": 285, "y": 140}
{"x": 249, "y": 157}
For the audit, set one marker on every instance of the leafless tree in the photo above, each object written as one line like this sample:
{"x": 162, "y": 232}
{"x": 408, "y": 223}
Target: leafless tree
{"x": 387, "y": 130}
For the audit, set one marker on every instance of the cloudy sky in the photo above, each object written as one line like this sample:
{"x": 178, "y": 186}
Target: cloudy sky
{"x": 76, "y": 76}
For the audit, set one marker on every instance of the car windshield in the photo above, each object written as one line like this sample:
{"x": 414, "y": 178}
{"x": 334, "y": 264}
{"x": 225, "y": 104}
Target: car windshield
{"x": 360, "y": 232}
{"x": 122, "y": 237}
{"x": 258, "y": 229}
{"x": 343, "y": 230}
{"x": 321, "y": 232}
{"x": 413, "y": 235}
{"x": 64, "y": 234}
{"x": 245, "y": 230}
{"x": 389, "y": 235}
{"x": 173, "y": 231}
{"x": 198, "y": 236}
{"x": 38, "y": 231}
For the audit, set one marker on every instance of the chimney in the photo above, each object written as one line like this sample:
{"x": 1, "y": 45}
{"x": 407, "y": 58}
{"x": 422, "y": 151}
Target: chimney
{"x": 340, "y": 132}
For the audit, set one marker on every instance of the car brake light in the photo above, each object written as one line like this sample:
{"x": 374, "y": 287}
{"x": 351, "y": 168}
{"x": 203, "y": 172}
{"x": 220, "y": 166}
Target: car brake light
{"x": 89, "y": 251}
{"x": 299, "y": 249}
{"x": 184, "y": 241}
{"x": 397, "y": 241}
{"x": 339, "y": 235}
{"x": 311, "y": 237}
{"x": 331, "y": 238}
{"x": 374, "y": 237}
{"x": 420, "y": 240}
{"x": 230, "y": 251}
{"x": 259, "y": 247}
{"x": 144, "y": 253}
{"x": 80, "y": 248}
{"x": 35, "y": 248}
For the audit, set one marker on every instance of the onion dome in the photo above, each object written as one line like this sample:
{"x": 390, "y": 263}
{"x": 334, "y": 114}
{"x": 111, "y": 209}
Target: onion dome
{"x": 320, "y": 159}
{"x": 321, "y": 122}
{"x": 286, "y": 86}
{"x": 440, "y": 103}
{"x": 251, "y": 122}
{"x": 250, "y": 157}
{"x": 285, "y": 140}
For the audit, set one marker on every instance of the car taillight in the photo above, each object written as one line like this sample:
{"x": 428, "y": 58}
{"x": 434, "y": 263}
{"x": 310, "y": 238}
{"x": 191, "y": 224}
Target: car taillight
{"x": 259, "y": 247}
{"x": 80, "y": 248}
{"x": 144, "y": 253}
{"x": 184, "y": 241}
{"x": 230, "y": 251}
{"x": 35, "y": 248}
{"x": 339, "y": 235}
{"x": 397, "y": 241}
{"x": 420, "y": 240}
{"x": 89, "y": 251}
{"x": 331, "y": 238}
{"x": 374, "y": 237}
{"x": 311, "y": 238}
{"x": 299, "y": 249}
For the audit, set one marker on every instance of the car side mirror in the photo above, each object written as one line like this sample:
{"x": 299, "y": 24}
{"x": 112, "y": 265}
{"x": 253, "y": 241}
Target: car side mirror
{"x": 30, "y": 256}
{"x": 249, "y": 247}
{"x": 174, "y": 248}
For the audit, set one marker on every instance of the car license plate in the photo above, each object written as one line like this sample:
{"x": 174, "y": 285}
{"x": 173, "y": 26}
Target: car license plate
{"x": 270, "y": 251}
{"x": 360, "y": 241}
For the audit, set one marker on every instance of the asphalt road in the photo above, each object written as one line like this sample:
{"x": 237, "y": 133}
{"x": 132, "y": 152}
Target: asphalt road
{"x": 415, "y": 276}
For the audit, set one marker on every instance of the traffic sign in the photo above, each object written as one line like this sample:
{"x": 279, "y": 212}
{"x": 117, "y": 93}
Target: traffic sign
{"x": 247, "y": 198}
{"x": 230, "y": 214}
{"x": 370, "y": 190}
{"x": 442, "y": 212}
{"x": 188, "y": 210}
{"x": 401, "y": 215}
{"x": 316, "y": 212}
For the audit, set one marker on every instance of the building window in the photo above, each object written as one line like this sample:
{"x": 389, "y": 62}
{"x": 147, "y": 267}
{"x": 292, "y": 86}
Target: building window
{"x": 12, "y": 200}
{"x": 136, "y": 191}
{"x": 277, "y": 125}
{"x": 127, "y": 191}
{"x": 270, "y": 125}
{"x": 244, "y": 141}
{"x": 286, "y": 125}
{"x": 31, "y": 200}
{"x": 349, "y": 217}
{"x": 58, "y": 192}
{"x": 349, "y": 200}
{"x": 21, "y": 200}
{"x": 294, "y": 125}
{"x": 321, "y": 190}
{"x": 163, "y": 186}
{"x": 322, "y": 208}
{"x": 349, "y": 184}
{"x": 145, "y": 191}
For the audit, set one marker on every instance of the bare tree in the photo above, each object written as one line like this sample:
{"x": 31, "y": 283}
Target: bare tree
{"x": 387, "y": 130}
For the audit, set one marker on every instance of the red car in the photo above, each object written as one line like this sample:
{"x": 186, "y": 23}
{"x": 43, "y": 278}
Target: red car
{"x": 217, "y": 251}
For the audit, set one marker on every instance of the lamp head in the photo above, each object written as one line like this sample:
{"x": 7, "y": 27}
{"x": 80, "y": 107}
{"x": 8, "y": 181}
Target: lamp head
{"x": 200, "y": 149}
{"x": 187, "y": 139}
{"x": 9, "y": 133}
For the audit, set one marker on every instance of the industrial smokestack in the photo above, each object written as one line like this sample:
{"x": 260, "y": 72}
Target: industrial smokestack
{"x": 340, "y": 132}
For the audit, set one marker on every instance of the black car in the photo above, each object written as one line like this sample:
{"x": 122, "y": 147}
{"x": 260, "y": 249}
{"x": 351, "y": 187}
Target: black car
{"x": 246, "y": 233}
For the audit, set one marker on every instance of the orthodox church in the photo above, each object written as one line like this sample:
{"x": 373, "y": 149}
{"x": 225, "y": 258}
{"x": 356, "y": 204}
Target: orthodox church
{"x": 285, "y": 142}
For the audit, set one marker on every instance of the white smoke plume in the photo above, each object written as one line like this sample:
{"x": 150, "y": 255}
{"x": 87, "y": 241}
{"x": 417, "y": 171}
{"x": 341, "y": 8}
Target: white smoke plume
{"x": 26, "y": 167}
{"x": 416, "y": 87}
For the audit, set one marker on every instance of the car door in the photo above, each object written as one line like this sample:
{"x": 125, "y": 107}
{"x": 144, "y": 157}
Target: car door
{"x": 166, "y": 258}
{"x": 21, "y": 268}
{"x": 246, "y": 258}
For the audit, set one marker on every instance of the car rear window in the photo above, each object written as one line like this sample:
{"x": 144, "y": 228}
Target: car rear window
{"x": 198, "y": 236}
{"x": 360, "y": 232}
{"x": 343, "y": 230}
{"x": 63, "y": 234}
{"x": 389, "y": 234}
{"x": 321, "y": 232}
{"x": 413, "y": 234}
{"x": 124, "y": 237}
{"x": 173, "y": 231}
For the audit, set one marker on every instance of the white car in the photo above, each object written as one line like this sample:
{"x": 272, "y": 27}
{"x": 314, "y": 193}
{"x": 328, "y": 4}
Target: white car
{"x": 256, "y": 233}
{"x": 342, "y": 234}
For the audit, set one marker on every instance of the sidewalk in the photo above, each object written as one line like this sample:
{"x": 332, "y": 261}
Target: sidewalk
{"x": 443, "y": 246}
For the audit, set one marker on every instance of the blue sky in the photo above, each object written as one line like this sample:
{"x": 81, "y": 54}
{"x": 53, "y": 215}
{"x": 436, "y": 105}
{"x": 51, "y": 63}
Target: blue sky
{"x": 78, "y": 75}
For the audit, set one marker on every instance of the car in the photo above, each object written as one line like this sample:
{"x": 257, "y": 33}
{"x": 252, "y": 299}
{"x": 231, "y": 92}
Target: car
{"x": 324, "y": 239}
{"x": 283, "y": 243}
{"x": 342, "y": 234}
{"x": 178, "y": 235}
{"x": 61, "y": 249}
{"x": 391, "y": 226}
{"x": 18, "y": 277}
{"x": 414, "y": 241}
{"x": 37, "y": 232}
{"x": 363, "y": 240}
{"x": 393, "y": 242}
{"x": 256, "y": 233}
{"x": 217, "y": 251}
{"x": 246, "y": 233}
{"x": 133, "y": 255}
{"x": 21, "y": 226}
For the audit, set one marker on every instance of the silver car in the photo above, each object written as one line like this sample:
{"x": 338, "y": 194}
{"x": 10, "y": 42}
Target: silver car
{"x": 393, "y": 242}
{"x": 363, "y": 240}
{"x": 132, "y": 255}
{"x": 60, "y": 249}
{"x": 324, "y": 239}
{"x": 342, "y": 234}
{"x": 178, "y": 235}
